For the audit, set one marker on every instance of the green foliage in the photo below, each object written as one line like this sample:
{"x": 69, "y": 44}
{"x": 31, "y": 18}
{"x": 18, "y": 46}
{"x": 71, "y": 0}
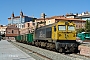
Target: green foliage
{"x": 87, "y": 26}
{"x": 81, "y": 30}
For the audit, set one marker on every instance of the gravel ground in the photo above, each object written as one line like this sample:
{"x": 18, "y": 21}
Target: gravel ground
{"x": 81, "y": 57}
{"x": 30, "y": 53}
{"x": 49, "y": 54}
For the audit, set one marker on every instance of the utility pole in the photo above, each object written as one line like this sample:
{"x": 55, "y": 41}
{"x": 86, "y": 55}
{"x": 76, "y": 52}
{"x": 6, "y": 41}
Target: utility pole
{"x": 44, "y": 18}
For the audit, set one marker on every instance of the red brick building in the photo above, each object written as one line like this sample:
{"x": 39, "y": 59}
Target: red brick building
{"x": 11, "y": 32}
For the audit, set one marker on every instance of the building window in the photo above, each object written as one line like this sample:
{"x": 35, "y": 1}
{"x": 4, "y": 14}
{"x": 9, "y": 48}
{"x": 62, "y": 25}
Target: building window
{"x": 33, "y": 24}
{"x": 12, "y": 31}
{"x": 8, "y": 32}
{"x": 79, "y": 25}
{"x": 76, "y": 26}
{"x": 28, "y": 24}
{"x": 49, "y": 21}
{"x": 22, "y": 26}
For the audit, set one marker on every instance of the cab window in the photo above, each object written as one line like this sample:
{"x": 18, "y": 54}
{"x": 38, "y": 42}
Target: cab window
{"x": 61, "y": 27}
{"x": 71, "y": 28}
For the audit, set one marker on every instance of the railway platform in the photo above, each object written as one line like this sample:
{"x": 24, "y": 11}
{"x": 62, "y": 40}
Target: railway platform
{"x": 10, "y": 52}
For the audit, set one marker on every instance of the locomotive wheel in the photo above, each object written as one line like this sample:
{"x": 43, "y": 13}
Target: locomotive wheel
{"x": 39, "y": 44}
{"x": 36, "y": 43}
{"x": 43, "y": 44}
{"x": 47, "y": 45}
{"x": 33, "y": 43}
{"x": 52, "y": 46}
{"x": 76, "y": 50}
{"x": 72, "y": 49}
{"x": 60, "y": 50}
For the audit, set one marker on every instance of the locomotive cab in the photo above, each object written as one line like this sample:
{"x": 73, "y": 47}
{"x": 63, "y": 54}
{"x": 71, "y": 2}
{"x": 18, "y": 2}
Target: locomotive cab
{"x": 64, "y": 31}
{"x": 64, "y": 34}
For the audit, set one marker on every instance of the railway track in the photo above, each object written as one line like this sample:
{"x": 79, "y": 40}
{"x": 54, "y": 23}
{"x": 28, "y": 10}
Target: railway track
{"x": 86, "y": 41}
{"x": 36, "y": 53}
{"x": 82, "y": 57}
{"x": 48, "y": 57}
{"x": 31, "y": 51}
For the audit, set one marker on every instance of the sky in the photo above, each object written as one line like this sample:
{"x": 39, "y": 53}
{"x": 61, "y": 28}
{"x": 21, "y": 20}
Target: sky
{"x": 36, "y": 7}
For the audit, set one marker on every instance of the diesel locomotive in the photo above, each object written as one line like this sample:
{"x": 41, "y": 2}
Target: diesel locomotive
{"x": 60, "y": 36}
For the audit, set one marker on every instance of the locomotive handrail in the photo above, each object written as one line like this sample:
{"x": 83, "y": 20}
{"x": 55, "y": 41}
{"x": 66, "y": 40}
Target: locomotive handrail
{"x": 66, "y": 31}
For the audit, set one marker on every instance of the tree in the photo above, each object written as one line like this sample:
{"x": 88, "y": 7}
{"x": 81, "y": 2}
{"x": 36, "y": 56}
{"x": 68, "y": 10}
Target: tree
{"x": 81, "y": 30}
{"x": 87, "y": 26}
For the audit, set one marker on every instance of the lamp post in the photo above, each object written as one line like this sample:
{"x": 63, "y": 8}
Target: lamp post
{"x": 44, "y": 18}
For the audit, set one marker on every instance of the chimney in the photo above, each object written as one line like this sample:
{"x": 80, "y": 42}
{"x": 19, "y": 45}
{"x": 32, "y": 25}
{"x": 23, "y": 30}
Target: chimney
{"x": 13, "y": 14}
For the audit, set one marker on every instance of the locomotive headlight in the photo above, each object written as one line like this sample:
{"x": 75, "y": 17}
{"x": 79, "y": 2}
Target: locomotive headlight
{"x": 59, "y": 34}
